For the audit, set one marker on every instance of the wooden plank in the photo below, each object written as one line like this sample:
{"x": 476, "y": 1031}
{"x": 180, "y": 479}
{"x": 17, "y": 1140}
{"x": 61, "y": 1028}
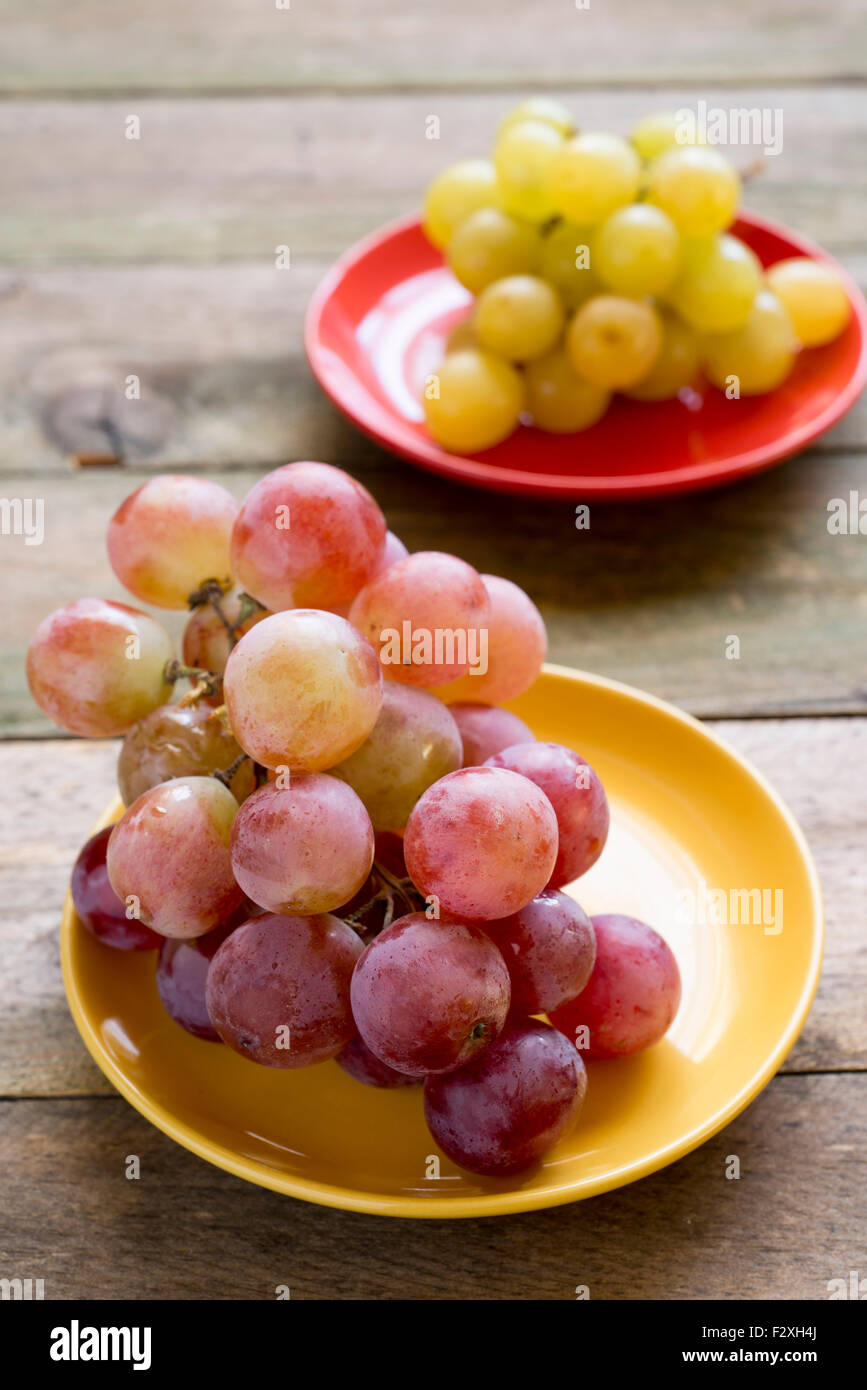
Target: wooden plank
{"x": 218, "y": 178}
{"x": 67, "y": 784}
{"x": 230, "y": 45}
{"x": 648, "y": 595}
{"x": 185, "y": 1230}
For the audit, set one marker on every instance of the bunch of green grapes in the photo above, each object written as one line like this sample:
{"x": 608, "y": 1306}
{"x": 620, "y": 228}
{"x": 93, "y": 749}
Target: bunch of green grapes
{"x": 600, "y": 264}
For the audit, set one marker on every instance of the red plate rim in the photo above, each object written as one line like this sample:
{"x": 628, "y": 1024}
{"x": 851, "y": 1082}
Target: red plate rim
{"x": 478, "y": 473}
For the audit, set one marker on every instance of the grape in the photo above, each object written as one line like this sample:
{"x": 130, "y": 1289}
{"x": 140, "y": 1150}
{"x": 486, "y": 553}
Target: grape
{"x": 719, "y": 279}
{"x": 675, "y": 367}
{"x": 633, "y": 993}
{"x": 98, "y": 906}
{"x": 546, "y": 109}
{"x": 519, "y": 317}
{"x": 169, "y": 536}
{"x": 427, "y": 996}
{"x": 566, "y": 259}
{"x": 613, "y": 342}
{"x": 490, "y": 245}
{"x": 307, "y": 536}
{"x": 485, "y": 729}
{"x": 549, "y": 949}
{"x": 474, "y": 402}
{"x": 362, "y": 1065}
{"x": 303, "y": 690}
{"x": 697, "y": 187}
{"x": 637, "y": 250}
{"x": 814, "y": 296}
{"x": 655, "y": 134}
{"x": 516, "y": 647}
{"x": 403, "y": 610}
{"x": 760, "y": 353}
{"x": 182, "y": 974}
{"x": 414, "y": 742}
{"x": 394, "y": 550}
{"x": 506, "y": 1109}
{"x": 389, "y": 852}
{"x": 278, "y": 989}
{"x": 523, "y": 158}
{"x": 577, "y": 796}
{"x": 455, "y": 194}
{"x": 463, "y": 335}
{"x": 560, "y": 401}
{"x": 592, "y": 175}
{"x": 179, "y": 741}
{"x": 206, "y": 642}
{"x": 482, "y": 841}
{"x": 302, "y": 849}
{"x": 96, "y": 667}
{"x": 170, "y": 854}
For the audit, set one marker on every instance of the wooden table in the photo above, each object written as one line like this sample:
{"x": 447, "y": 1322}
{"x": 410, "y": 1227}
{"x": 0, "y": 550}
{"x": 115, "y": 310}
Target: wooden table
{"x": 261, "y": 127}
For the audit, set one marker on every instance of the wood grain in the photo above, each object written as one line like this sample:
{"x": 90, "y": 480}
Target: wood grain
{"x": 233, "y": 46}
{"x": 185, "y": 1230}
{"x": 818, "y": 765}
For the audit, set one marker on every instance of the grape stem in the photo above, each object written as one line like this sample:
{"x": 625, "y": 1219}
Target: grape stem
{"x": 226, "y": 774}
{"x": 393, "y": 888}
{"x": 213, "y": 591}
{"x": 175, "y": 670}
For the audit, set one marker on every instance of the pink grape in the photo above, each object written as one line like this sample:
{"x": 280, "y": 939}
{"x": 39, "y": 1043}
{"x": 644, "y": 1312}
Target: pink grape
{"x": 413, "y": 743}
{"x": 394, "y": 550}
{"x": 486, "y": 730}
{"x": 179, "y": 741}
{"x": 517, "y": 644}
{"x": 428, "y": 995}
{"x": 98, "y": 906}
{"x": 482, "y": 841}
{"x": 307, "y": 536}
{"x": 633, "y": 993}
{"x": 278, "y": 989}
{"x": 576, "y": 794}
{"x": 95, "y": 667}
{"x": 424, "y": 616}
{"x": 303, "y": 690}
{"x": 182, "y": 974}
{"x": 305, "y": 848}
{"x": 549, "y": 949}
{"x": 501, "y": 1113}
{"x": 169, "y": 536}
{"x": 206, "y": 642}
{"x": 362, "y": 1065}
{"x": 170, "y": 854}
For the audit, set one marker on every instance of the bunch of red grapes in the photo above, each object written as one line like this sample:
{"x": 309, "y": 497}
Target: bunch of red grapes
{"x": 339, "y": 841}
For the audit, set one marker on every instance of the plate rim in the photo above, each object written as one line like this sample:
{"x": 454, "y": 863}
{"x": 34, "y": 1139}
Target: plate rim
{"x": 488, "y": 1204}
{"x": 694, "y": 477}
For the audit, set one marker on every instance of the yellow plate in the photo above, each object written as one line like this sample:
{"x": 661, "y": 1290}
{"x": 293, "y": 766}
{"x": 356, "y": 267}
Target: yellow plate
{"x": 687, "y": 811}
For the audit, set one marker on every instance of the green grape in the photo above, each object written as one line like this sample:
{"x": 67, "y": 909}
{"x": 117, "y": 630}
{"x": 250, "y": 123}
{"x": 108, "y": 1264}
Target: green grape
{"x": 455, "y": 193}
{"x": 545, "y": 109}
{"x": 814, "y": 296}
{"x": 560, "y": 401}
{"x": 592, "y": 175}
{"x": 613, "y": 342}
{"x": 519, "y": 317}
{"x": 473, "y": 401}
{"x": 675, "y": 367}
{"x": 760, "y": 354}
{"x": 463, "y": 335}
{"x": 490, "y": 244}
{"x": 566, "y": 260}
{"x": 655, "y": 134}
{"x": 697, "y": 187}
{"x": 523, "y": 158}
{"x": 637, "y": 250}
{"x": 719, "y": 279}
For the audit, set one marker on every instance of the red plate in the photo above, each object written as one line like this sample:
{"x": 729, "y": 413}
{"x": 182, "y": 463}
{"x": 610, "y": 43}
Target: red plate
{"x": 377, "y": 323}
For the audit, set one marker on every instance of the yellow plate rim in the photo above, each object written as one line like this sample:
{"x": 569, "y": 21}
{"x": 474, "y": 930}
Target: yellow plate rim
{"x": 490, "y": 1204}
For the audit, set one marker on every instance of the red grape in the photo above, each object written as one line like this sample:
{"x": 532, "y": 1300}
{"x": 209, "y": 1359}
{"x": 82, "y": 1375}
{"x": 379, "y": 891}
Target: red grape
{"x": 549, "y": 949}
{"x": 517, "y": 643}
{"x": 483, "y": 841}
{"x": 362, "y": 1065}
{"x": 207, "y": 643}
{"x": 428, "y": 995}
{"x": 179, "y": 741}
{"x": 182, "y": 974}
{"x": 98, "y": 906}
{"x": 578, "y": 798}
{"x": 633, "y": 993}
{"x": 486, "y": 729}
{"x": 501, "y": 1113}
{"x": 169, "y": 536}
{"x": 278, "y": 989}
